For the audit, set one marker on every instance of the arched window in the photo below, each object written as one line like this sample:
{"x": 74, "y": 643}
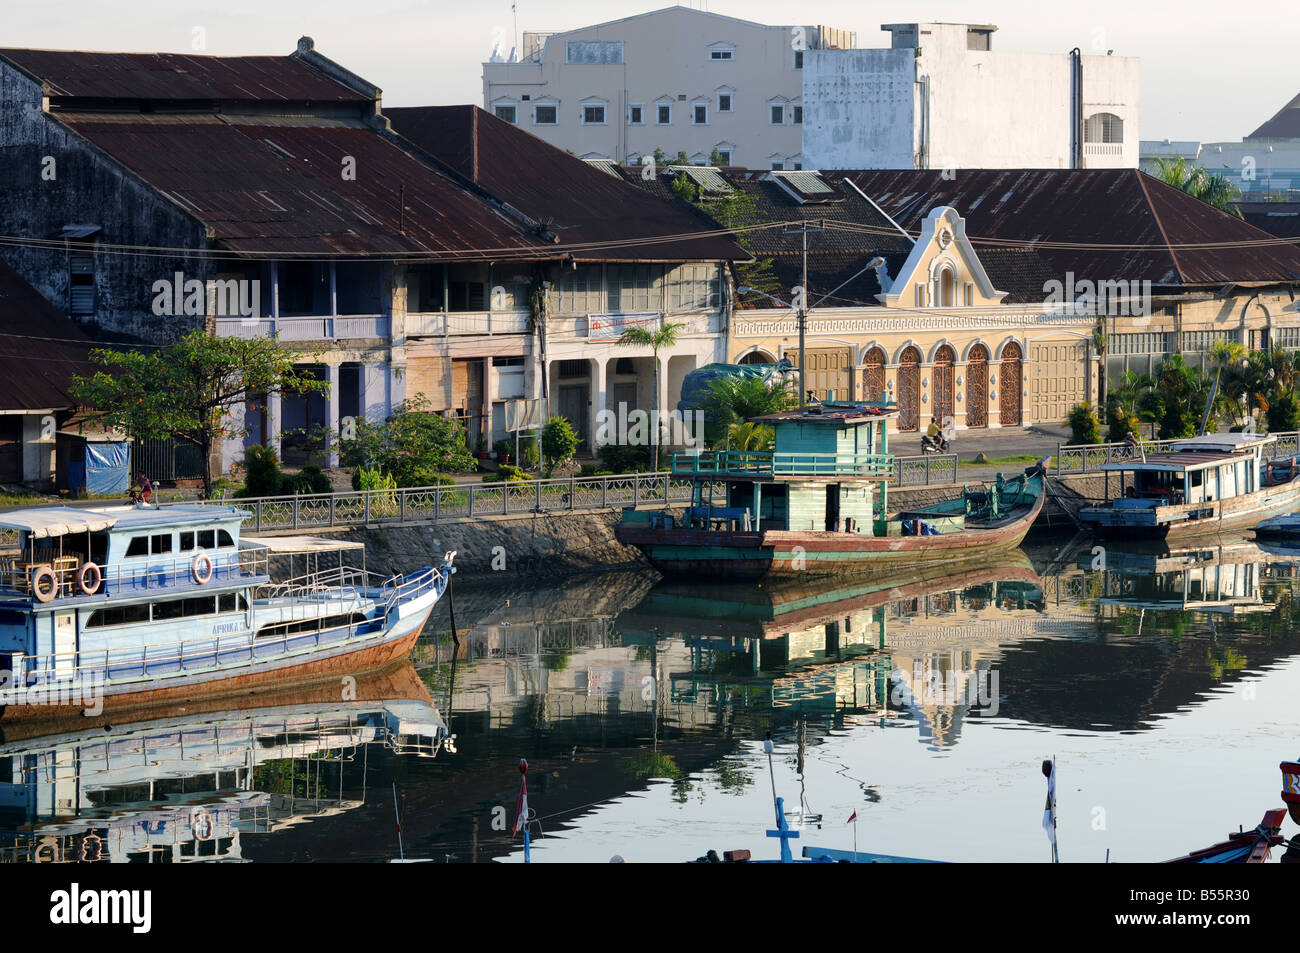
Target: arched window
{"x": 944, "y": 285}
{"x": 1103, "y": 127}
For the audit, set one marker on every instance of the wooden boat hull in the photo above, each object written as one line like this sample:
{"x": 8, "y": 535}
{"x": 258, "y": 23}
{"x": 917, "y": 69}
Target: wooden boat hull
{"x": 722, "y": 554}
{"x": 1189, "y": 520}
{"x": 1291, "y": 788}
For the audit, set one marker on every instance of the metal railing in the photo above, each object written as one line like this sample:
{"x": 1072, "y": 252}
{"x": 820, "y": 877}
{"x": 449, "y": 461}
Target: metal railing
{"x": 1085, "y": 457}
{"x": 139, "y": 575}
{"x": 927, "y": 469}
{"x": 766, "y": 463}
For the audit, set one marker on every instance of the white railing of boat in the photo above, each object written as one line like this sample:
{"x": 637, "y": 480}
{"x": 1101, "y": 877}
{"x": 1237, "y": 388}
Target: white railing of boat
{"x": 145, "y": 576}
{"x": 56, "y": 672}
{"x": 1085, "y": 457}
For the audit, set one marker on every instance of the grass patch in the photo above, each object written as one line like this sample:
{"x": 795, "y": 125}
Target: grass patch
{"x": 1020, "y": 459}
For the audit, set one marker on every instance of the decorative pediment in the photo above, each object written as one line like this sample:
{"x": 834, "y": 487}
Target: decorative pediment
{"x": 942, "y": 270}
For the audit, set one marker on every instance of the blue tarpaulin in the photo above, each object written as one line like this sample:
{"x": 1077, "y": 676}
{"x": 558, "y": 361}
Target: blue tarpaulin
{"x": 108, "y": 468}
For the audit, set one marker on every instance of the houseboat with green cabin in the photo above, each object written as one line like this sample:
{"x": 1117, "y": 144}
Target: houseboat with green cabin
{"x": 818, "y": 504}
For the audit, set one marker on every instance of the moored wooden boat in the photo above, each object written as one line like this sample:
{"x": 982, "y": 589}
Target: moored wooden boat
{"x": 1243, "y": 847}
{"x": 1204, "y": 485}
{"x": 818, "y": 505}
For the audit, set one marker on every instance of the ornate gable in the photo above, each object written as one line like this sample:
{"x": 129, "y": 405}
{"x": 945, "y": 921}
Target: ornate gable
{"x": 942, "y": 270}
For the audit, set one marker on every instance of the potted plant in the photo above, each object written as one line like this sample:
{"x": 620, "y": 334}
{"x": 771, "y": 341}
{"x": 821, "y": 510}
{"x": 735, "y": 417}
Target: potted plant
{"x": 503, "y": 450}
{"x": 482, "y": 452}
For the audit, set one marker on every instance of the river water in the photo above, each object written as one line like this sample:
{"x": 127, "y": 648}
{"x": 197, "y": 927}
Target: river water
{"x": 1165, "y": 685}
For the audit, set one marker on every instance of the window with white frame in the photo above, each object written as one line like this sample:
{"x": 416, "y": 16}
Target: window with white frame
{"x": 693, "y": 287}
{"x": 796, "y": 163}
{"x": 546, "y": 113}
{"x": 776, "y": 163}
{"x": 969, "y": 297}
{"x": 722, "y": 53}
{"x": 798, "y": 59}
{"x": 776, "y": 114}
{"x": 699, "y": 114}
{"x": 635, "y": 114}
{"x": 699, "y": 159}
{"x": 663, "y": 114}
{"x": 1103, "y": 127}
{"x": 593, "y": 113}
{"x": 723, "y": 151}
{"x": 796, "y": 114}
{"x": 725, "y": 96}
{"x": 506, "y": 110}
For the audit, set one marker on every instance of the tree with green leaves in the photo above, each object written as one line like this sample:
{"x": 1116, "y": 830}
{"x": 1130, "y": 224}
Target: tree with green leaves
{"x": 189, "y": 390}
{"x": 656, "y": 339}
{"x": 1183, "y": 391}
{"x": 732, "y": 400}
{"x": 414, "y": 446}
{"x": 1213, "y": 188}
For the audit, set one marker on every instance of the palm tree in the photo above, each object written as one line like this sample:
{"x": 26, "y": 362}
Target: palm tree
{"x": 732, "y": 400}
{"x": 656, "y": 339}
{"x": 750, "y": 436}
{"x": 1211, "y": 188}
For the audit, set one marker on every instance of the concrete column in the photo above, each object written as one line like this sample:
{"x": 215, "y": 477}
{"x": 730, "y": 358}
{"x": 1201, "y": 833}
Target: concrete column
{"x": 272, "y": 436}
{"x": 489, "y": 397}
{"x": 599, "y": 400}
{"x": 332, "y": 412}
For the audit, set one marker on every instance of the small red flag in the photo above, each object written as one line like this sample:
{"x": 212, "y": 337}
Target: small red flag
{"x": 853, "y": 818}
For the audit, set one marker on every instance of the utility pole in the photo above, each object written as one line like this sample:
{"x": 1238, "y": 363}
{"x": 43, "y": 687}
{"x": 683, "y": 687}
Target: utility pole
{"x": 803, "y": 306}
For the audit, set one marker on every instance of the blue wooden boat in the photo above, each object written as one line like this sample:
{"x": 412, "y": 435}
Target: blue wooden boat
{"x": 127, "y": 606}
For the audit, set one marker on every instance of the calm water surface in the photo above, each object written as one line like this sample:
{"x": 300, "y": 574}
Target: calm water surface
{"x": 1165, "y": 684}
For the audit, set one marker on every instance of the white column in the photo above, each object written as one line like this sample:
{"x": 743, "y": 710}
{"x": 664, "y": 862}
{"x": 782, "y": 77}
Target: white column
{"x": 272, "y": 436}
{"x": 599, "y": 400}
{"x": 332, "y": 412}
{"x": 489, "y": 397}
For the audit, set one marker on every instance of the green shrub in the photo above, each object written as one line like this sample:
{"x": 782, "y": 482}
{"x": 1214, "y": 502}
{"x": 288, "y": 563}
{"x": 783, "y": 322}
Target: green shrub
{"x": 262, "y": 472}
{"x": 1284, "y": 413}
{"x": 559, "y": 443}
{"x": 311, "y": 479}
{"x": 507, "y": 474}
{"x": 530, "y": 453}
{"x": 1084, "y": 425}
{"x": 621, "y": 458}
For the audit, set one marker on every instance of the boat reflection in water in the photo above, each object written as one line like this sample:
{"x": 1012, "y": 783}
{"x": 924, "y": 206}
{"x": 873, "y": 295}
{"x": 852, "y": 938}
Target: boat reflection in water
{"x": 191, "y": 786}
{"x": 1223, "y": 576}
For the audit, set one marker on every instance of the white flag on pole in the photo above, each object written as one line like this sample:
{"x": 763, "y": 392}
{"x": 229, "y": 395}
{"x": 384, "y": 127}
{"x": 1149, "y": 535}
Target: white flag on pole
{"x": 1049, "y": 809}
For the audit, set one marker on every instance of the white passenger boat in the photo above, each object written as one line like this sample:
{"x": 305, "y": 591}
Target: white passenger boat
{"x": 127, "y": 606}
{"x": 1203, "y": 485}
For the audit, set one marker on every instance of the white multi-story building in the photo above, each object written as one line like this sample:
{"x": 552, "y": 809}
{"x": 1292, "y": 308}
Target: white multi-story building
{"x": 940, "y": 98}
{"x": 721, "y": 90}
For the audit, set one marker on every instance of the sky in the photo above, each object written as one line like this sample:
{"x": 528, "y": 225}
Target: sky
{"x": 1208, "y": 73}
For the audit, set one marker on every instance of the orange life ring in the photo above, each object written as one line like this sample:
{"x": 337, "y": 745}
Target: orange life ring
{"x": 89, "y": 578}
{"x": 45, "y": 575}
{"x": 201, "y": 569}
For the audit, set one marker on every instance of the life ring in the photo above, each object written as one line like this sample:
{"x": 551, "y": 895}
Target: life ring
{"x": 201, "y": 569}
{"x": 45, "y": 585}
{"x": 201, "y": 824}
{"x": 89, "y": 578}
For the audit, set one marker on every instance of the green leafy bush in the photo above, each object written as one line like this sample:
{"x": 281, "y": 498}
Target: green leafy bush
{"x": 559, "y": 443}
{"x": 262, "y": 476}
{"x": 310, "y": 479}
{"x": 507, "y": 474}
{"x": 622, "y": 458}
{"x": 1084, "y": 425}
{"x": 1284, "y": 413}
{"x": 530, "y": 453}
{"x": 413, "y": 445}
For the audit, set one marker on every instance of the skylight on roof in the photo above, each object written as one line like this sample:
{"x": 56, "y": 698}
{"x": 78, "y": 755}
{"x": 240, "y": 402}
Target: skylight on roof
{"x": 706, "y": 177}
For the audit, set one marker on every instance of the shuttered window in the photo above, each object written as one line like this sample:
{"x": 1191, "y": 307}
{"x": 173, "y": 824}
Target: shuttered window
{"x": 81, "y": 284}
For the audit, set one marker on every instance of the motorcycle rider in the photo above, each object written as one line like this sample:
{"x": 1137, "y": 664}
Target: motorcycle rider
{"x": 934, "y": 437}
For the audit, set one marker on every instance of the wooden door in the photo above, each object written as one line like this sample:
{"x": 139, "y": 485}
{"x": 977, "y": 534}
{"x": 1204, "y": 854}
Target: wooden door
{"x": 977, "y": 387}
{"x": 909, "y": 389}
{"x": 873, "y": 374}
{"x": 942, "y": 385}
{"x": 1009, "y": 385}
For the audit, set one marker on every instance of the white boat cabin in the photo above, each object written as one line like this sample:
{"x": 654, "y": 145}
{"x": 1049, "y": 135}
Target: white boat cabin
{"x": 1202, "y": 469}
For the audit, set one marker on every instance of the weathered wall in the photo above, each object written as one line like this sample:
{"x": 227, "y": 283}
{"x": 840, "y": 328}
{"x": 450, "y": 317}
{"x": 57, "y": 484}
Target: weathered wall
{"x": 86, "y": 188}
{"x": 858, "y": 109}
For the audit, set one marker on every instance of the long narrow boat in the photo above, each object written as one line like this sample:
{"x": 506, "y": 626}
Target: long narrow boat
{"x": 123, "y": 607}
{"x": 1204, "y": 485}
{"x": 817, "y": 504}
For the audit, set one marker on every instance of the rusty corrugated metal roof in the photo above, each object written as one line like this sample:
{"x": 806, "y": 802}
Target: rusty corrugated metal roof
{"x": 180, "y": 76}
{"x": 41, "y": 348}
{"x": 271, "y": 188}
{"x": 572, "y": 199}
{"x": 1087, "y": 207}
{"x": 1285, "y": 123}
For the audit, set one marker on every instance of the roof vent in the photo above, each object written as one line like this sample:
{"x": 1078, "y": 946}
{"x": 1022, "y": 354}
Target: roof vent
{"x": 306, "y": 44}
